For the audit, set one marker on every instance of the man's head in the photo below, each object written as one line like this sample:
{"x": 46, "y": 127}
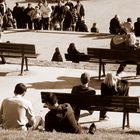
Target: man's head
{"x": 51, "y": 100}
{"x": 85, "y": 78}
{"x": 20, "y": 89}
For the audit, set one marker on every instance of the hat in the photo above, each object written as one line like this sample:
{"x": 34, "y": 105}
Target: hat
{"x": 85, "y": 78}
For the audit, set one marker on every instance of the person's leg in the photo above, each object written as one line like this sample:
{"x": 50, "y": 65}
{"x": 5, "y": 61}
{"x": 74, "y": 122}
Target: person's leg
{"x": 138, "y": 69}
{"x": 39, "y": 123}
{"x": 102, "y": 115}
{"x": 3, "y": 60}
{"x": 121, "y": 68}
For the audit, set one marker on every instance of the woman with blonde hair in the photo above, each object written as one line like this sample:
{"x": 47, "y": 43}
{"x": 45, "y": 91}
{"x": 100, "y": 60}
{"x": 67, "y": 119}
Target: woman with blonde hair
{"x": 108, "y": 88}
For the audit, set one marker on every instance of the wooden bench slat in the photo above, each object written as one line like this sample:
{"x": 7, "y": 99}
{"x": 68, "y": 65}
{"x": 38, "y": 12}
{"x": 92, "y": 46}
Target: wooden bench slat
{"x": 18, "y": 50}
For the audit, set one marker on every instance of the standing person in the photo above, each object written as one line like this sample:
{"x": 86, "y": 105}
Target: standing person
{"x": 128, "y": 24}
{"x": 115, "y": 25}
{"x": 81, "y": 13}
{"x": 35, "y": 15}
{"x": 108, "y": 88}
{"x": 46, "y": 14}
{"x": 28, "y": 17}
{"x": 17, "y": 12}
{"x": 58, "y": 15}
{"x": 137, "y": 27}
{"x": 60, "y": 117}
{"x": 3, "y": 60}
{"x": 70, "y": 4}
{"x": 68, "y": 19}
{"x": 17, "y": 113}
{"x": 82, "y": 89}
{"x": 2, "y": 7}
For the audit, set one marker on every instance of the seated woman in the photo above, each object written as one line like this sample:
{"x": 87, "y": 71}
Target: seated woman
{"x": 57, "y": 56}
{"x": 108, "y": 88}
{"x": 73, "y": 51}
{"x": 123, "y": 87}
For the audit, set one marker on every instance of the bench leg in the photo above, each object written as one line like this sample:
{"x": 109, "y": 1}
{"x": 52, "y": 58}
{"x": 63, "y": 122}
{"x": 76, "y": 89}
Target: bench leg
{"x": 26, "y": 62}
{"x": 103, "y": 65}
{"x": 125, "y": 116}
{"x": 100, "y": 67}
{"x": 138, "y": 69}
{"x": 22, "y": 65}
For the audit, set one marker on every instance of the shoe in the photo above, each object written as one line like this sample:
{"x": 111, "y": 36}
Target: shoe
{"x": 92, "y": 129}
{"x": 106, "y": 118}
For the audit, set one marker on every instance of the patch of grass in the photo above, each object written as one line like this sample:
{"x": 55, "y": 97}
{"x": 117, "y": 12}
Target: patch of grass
{"x": 101, "y": 134}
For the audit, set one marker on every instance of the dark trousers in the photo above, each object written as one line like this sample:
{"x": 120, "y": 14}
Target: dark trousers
{"x": 122, "y": 66}
{"x": 45, "y": 22}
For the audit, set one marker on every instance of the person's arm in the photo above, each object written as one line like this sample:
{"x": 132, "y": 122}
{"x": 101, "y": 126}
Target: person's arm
{"x": 30, "y": 115}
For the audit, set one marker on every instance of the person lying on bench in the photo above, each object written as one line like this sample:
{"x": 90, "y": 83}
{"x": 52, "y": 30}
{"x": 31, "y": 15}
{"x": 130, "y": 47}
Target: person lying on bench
{"x": 82, "y": 89}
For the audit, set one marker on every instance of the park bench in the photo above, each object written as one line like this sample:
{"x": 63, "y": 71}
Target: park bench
{"x": 122, "y": 104}
{"x": 77, "y": 58}
{"x": 113, "y": 56}
{"x": 16, "y": 50}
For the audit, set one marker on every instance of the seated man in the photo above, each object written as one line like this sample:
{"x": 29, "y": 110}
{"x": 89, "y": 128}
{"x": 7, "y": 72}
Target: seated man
{"x": 125, "y": 40}
{"x": 60, "y": 117}
{"x": 17, "y": 113}
{"x": 82, "y": 89}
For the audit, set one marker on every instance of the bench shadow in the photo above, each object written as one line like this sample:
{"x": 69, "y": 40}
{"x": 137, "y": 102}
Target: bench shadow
{"x": 62, "y": 83}
{"x": 3, "y": 73}
{"x": 133, "y": 132}
{"x": 95, "y": 36}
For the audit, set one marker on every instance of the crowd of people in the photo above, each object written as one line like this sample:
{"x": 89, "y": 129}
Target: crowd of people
{"x": 116, "y": 25}
{"x": 17, "y": 112}
{"x": 65, "y": 15}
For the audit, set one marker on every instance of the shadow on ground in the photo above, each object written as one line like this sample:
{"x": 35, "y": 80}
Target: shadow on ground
{"x": 64, "y": 82}
{"x": 98, "y": 36}
{"x": 61, "y": 83}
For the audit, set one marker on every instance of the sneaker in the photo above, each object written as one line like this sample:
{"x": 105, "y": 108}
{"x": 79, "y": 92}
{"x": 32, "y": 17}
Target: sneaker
{"x": 92, "y": 129}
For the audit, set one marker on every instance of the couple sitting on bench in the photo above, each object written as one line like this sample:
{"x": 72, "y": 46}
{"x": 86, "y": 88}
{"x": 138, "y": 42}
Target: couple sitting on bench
{"x": 125, "y": 40}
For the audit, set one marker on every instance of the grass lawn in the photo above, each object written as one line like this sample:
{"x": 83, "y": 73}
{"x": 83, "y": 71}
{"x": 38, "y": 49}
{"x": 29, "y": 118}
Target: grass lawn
{"x": 101, "y": 134}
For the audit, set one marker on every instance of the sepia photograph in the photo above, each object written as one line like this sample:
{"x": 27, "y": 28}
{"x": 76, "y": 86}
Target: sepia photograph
{"x": 69, "y": 69}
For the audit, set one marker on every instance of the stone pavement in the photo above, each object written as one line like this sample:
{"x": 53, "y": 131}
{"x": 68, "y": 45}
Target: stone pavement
{"x": 56, "y": 79}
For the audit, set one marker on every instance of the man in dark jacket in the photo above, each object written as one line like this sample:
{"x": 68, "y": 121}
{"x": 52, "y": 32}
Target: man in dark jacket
{"x": 60, "y": 117}
{"x": 82, "y": 89}
{"x": 81, "y": 14}
{"x": 115, "y": 25}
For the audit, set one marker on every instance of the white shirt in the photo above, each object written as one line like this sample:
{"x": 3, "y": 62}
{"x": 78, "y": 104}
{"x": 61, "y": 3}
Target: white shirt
{"x": 16, "y": 112}
{"x": 46, "y": 11}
